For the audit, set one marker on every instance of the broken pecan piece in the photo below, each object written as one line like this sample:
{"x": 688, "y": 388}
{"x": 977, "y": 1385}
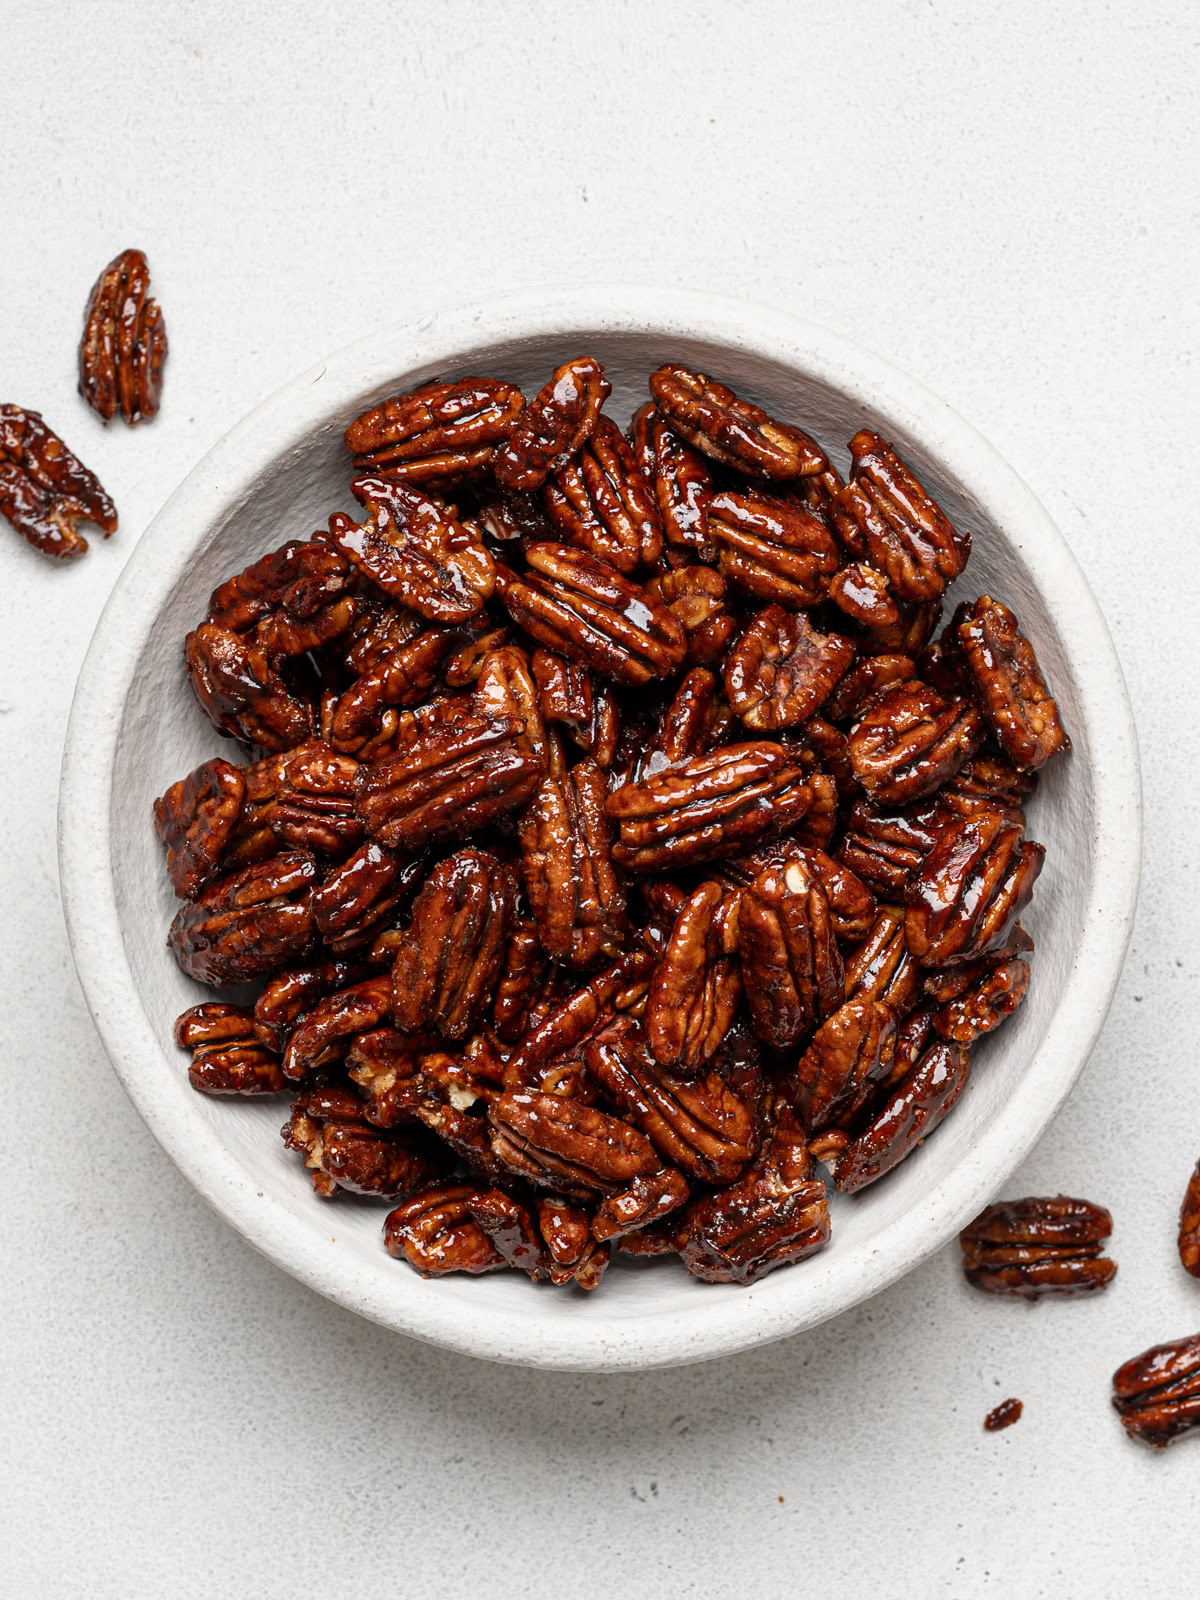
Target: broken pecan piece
{"x": 568, "y": 697}
{"x": 1158, "y": 1392}
{"x": 227, "y": 1055}
{"x": 240, "y": 691}
{"x": 1010, "y": 684}
{"x": 1189, "y": 1225}
{"x": 681, "y": 482}
{"x": 695, "y": 597}
{"x": 436, "y": 433}
{"x": 45, "y": 490}
{"x": 862, "y": 593}
{"x": 574, "y": 1254}
{"x": 648, "y": 1198}
{"x": 1035, "y": 1247}
{"x": 342, "y": 1150}
{"x": 909, "y": 741}
{"x": 732, "y": 431}
{"x": 522, "y": 973}
{"x": 782, "y": 669}
{"x": 247, "y": 924}
{"x": 776, "y": 550}
{"x": 553, "y": 426}
{"x": 513, "y": 1229}
{"x": 436, "y": 1232}
{"x": 323, "y": 1036}
{"x": 574, "y": 895}
{"x": 697, "y": 983}
{"x": 124, "y": 342}
{"x": 911, "y": 1112}
{"x": 964, "y": 899}
{"x": 196, "y": 819}
{"x": 600, "y": 502}
{"x": 791, "y": 965}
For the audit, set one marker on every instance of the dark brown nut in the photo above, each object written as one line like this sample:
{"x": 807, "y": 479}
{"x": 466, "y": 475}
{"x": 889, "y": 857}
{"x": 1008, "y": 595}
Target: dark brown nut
{"x": 912, "y": 1035}
{"x": 665, "y": 1238}
{"x": 124, "y": 342}
{"x": 247, "y": 924}
{"x": 909, "y": 635}
{"x": 851, "y": 1052}
{"x": 884, "y": 846}
{"x": 296, "y": 599}
{"x": 862, "y": 593}
{"x": 697, "y": 984}
{"x": 328, "y": 1127}
{"x": 362, "y": 895}
{"x": 1158, "y": 1392}
{"x": 568, "y": 698}
{"x": 324, "y": 1035}
{"x": 575, "y": 1257}
{"x": 964, "y": 900}
{"x": 511, "y": 522}
{"x": 512, "y": 1228}
{"x": 45, "y": 491}
{"x": 704, "y": 1127}
{"x": 851, "y": 903}
{"x": 776, "y": 1213}
{"x": 732, "y": 431}
{"x": 448, "y": 782}
{"x": 415, "y": 551}
{"x": 522, "y": 975}
{"x": 977, "y": 999}
{"x": 196, "y": 820}
{"x": 782, "y": 669}
{"x": 886, "y": 515}
{"x": 911, "y": 1112}
{"x": 600, "y": 502}
{"x": 378, "y": 630}
{"x": 1010, "y": 685}
{"x": 831, "y": 748}
{"x": 446, "y": 970}
{"x": 863, "y": 681}
{"x": 386, "y": 1066}
{"x": 909, "y": 741}
{"x": 439, "y": 432}
{"x": 991, "y": 778}
{"x": 553, "y": 426}
{"x": 1003, "y": 1416}
{"x": 1038, "y": 1246}
{"x": 505, "y": 688}
{"x": 240, "y": 691}
{"x": 462, "y": 667}
{"x": 560, "y": 1144}
{"x": 1189, "y": 1225}
{"x": 436, "y": 1233}
{"x": 882, "y": 968}
{"x": 695, "y": 597}
{"x": 584, "y": 609}
{"x": 710, "y": 806}
{"x": 693, "y": 723}
{"x": 574, "y": 895}
{"x": 365, "y": 716}
{"x": 227, "y": 1056}
{"x": 646, "y": 1200}
{"x": 572, "y": 1021}
{"x": 791, "y": 964}
{"x": 288, "y": 995}
{"x": 681, "y": 482}
{"x": 776, "y": 550}
{"x": 313, "y": 804}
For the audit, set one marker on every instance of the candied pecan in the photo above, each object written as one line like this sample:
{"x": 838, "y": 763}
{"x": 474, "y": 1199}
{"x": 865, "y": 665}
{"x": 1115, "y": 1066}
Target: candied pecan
{"x": 553, "y": 426}
{"x": 575, "y": 1019}
{"x": 247, "y": 924}
{"x": 884, "y": 513}
{"x": 681, "y": 482}
{"x": 882, "y": 968}
{"x": 695, "y": 596}
{"x": 884, "y": 846}
{"x": 328, "y": 1127}
{"x": 909, "y": 1114}
{"x": 908, "y": 636}
{"x": 851, "y": 903}
{"x": 386, "y": 1066}
{"x": 124, "y": 342}
{"x": 1158, "y": 1392}
{"x": 448, "y": 781}
{"x": 600, "y": 502}
{"x": 776, "y": 550}
{"x": 297, "y": 599}
{"x": 991, "y": 779}
{"x": 912, "y": 1035}
{"x": 45, "y": 490}
{"x": 665, "y": 1238}
{"x": 1003, "y": 1416}
{"x": 862, "y": 593}
{"x": 567, "y": 697}
{"x": 647, "y": 1199}
{"x": 462, "y": 667}
{"x": 378, "y": 630}
{"x": 964, "y": 899}
{"x": 573, "y": 892}
{"x": 511, "y": 521}
{"x": 977, "y": 998}
{"x": 730, "y": 430}
{"x": 196, "y": 819}
{"x": 437, "y": 432}
{"x": 324, "y": 1034}
{"x": 791, "y": 965}
{"x": 415, "y": 551}
{"x": 775, "y": 1213}
{"x": 513, "y": 1229}
{"x": 365, "y": 716}
{"x": 436, "y": 1232}
{"x": 560, "y": 1144}
{"x": 574, "y": 1253}
{"x": 850, "y": 1053}
{"x": 697, "y": 983}
{"x": 289, "y": 994}
{"x": 522, "y": 973}
{"x": 1010, "y": 684}
{"x": 448, "y": 963}
{"x": 313, "y": 803}
{"x": 693, "y": 723}
{"x": 909, "y": 741}
{"x": 227, "y": 1055}
{"x": 1035, "y": 1247}
{"x": 781, "y": 669}
{"x": 583, "y": 608}
{"x": 864, "y": 680}
{"x": 704, "y": 1126}
{"x": 363, "y": 894}
{"x": 709, "y": 806}
{"x": 505, "y": 688}
{"x": 241, "y": 693}
{"x": 1189, "y": 1225}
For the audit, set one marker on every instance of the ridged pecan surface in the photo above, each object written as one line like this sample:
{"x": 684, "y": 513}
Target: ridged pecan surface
{"x": 124, "y": 342}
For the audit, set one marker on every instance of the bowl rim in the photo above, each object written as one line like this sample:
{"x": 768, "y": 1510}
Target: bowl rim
{"x": 224, "y": 476}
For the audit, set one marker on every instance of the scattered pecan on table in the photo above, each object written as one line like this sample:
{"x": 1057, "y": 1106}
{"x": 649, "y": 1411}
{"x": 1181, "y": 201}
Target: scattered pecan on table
{"x": 124, "y": 342}
{"x": 613, "y": 841}
{"x": 1189, "y": 1225}
{"x": 45, "y": 490}
{"x": 1158, "y": 1392}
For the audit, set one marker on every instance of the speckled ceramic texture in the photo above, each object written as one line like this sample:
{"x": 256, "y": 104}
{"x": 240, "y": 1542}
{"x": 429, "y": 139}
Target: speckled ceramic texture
{"x": 135, "y": 728}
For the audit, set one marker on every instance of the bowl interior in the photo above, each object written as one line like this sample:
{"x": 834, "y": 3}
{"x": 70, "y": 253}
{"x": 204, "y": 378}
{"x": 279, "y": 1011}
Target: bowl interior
{"x": 645, "y": 1312}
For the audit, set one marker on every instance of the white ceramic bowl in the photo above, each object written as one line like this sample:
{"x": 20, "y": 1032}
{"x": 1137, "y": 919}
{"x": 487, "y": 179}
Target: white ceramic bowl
{"x": 134, "y": 728}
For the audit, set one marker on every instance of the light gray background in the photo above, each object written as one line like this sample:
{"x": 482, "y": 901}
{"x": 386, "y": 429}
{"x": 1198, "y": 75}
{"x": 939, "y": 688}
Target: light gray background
{"x": 1000, "y": 198}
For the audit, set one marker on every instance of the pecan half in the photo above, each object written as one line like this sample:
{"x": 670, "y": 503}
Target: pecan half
{"x": 573, "y": 891}
{"x": 976, "y": 999}
{"x": 553, "y": 426}
{"x": 600, "y": 502}
{"x": 1189, "y": 1225}
{"x": 196, "y": 819}
{"x": 296, "y": 599}
{"x": 323, "y": 1035}
{"x": 732, "y": 431}
{"x": 227, "y": 1055}
{"x": 781, "y": 669}
{"x": 775, "y": 1213}
{"x": 584, "y": 609}
{"x": 648, "y": 1198}
{"x": 909, "y": 741}
{"x": 882, "y": 967}
{"x": 124, "y": 342}
{"x": 522, "y": 974}
{"x": 567, "y": 697}
{"x": 883, "y": 846}
{"x": 247, "y": 924}
{"x": 776, "y": 550}
{"x": 363, "y": 894}
{"x": 697, "y": 983}
{"x": 567, "y": 1026}
{"x": 313, "y": 804}
{"x": 851, "y": 903}
{"x": 289, "y": 994}
{"x": 791, "y": 965}
{"x": 707, "y": 807}
{"x": 863, "y": 681}
{"x": 512, "y": 1228}
{"x": 682, "y": 483}
{"x": 862, "y": 593}
{"x": 435, "y": 433}
{"x": 240, "y": 691}
{"x": 561, "y": 1144}
{"x": 965, "y": 898}
{"x": 695, "y": 597}
{"x": 342, "y": 1150}
{"x": 505, "y": 688}
{"x": 911, "y": 1112}
{"x": 1158, "y": 1392}
{"x": 446, "y": 969}
{"x": 850, "y": 1053}
{"x": 436, "y": 1232}
{"x": 1010, "y": 684}
{"x": 365, "y": 716}
{"x": 45, "y": 490}
{"x": 1038, "y": 1246}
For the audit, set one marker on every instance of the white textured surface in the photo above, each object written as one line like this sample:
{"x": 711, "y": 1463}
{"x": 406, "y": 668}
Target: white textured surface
{"x": 997, "y": 198}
